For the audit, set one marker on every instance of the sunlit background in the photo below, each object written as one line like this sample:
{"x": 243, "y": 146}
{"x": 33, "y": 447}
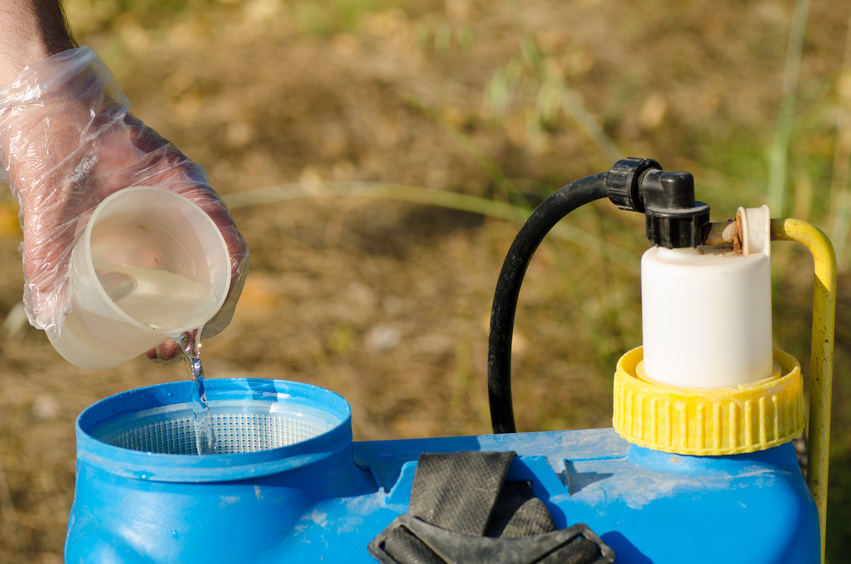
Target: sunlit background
{"x": 379, "y": 155}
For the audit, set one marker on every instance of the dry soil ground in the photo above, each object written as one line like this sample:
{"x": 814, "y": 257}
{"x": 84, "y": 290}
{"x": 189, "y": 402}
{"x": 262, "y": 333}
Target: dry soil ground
{"x": 386, "y": 300}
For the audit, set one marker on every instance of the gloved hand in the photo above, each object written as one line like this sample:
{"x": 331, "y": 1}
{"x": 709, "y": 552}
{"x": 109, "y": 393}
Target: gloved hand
{"x": 68, "y": 141}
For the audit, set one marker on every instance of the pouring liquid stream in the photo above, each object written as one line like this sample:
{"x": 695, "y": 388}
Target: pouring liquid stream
{"x": 202, "y": 418}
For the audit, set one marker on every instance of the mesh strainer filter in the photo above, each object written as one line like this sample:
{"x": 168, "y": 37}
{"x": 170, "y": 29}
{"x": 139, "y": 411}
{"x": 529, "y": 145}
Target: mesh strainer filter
{"x": 240, "y": 426}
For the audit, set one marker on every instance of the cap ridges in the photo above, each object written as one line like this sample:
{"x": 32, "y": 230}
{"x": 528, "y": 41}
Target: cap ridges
{"x": 708, "y": 422}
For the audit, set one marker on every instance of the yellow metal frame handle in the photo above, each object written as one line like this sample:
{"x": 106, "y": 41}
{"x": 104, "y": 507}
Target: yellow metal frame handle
{"x": 821, "y": 355}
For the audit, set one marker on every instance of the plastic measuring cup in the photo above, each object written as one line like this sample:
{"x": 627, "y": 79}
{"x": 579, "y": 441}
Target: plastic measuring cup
{"x": 150, "y": 265}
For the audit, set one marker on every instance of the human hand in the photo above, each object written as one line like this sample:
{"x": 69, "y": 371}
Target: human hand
{"x": 68, "y": 141}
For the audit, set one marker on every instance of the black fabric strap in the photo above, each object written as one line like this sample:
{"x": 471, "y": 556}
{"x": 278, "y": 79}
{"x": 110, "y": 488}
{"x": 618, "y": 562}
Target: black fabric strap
{"x": 444, "y": 482}
{"x": 463, "y": 512}
{"x": 518, "y": 513}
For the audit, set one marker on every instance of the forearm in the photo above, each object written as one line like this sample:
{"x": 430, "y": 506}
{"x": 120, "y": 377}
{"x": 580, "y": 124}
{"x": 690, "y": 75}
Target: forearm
{"x": 30, "y": 30}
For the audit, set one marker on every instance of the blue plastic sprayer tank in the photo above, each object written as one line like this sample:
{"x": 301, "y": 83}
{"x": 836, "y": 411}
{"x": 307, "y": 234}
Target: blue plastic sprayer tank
{"x": 699, "y": 466}
{"x": 314, "y": 495}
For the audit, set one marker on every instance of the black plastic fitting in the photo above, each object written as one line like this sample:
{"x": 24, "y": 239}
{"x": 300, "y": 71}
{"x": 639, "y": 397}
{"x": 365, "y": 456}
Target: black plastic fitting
{"x": 624, "y": 179}
{"x": 674, "y": 219}
{"x": 666, "y": 198}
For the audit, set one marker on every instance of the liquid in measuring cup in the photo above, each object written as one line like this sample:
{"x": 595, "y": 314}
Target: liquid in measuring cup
{"x": 154, "y": 297}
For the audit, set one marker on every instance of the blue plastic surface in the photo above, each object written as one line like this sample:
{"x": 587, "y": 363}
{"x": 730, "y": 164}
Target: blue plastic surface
{"x": 324, "y": 499}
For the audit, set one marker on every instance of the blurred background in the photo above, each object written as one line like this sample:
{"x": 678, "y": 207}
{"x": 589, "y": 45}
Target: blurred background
{"x": 379, "y": 157}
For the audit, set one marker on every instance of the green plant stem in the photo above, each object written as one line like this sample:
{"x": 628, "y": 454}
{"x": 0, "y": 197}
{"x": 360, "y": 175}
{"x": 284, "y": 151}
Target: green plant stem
{"x": 575, "y": 109}
{"x": 840, "y": 220}
{"x": 779, "y": 152}
{"x": 425, "y": 196}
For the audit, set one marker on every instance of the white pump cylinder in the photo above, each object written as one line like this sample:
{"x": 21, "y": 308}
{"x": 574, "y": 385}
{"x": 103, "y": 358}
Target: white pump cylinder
{"x": 706, "y": 314}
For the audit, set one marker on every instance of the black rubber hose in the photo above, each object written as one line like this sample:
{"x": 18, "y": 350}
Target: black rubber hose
{"x": 542, "y": 220}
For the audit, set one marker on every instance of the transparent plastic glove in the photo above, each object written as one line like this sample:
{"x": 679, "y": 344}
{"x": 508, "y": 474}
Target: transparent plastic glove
{"x": 68, "y": 141}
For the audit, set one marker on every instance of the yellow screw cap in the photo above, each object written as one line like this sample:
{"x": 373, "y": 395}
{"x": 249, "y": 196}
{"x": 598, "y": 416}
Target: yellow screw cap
{"x": 708, "y": 422}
